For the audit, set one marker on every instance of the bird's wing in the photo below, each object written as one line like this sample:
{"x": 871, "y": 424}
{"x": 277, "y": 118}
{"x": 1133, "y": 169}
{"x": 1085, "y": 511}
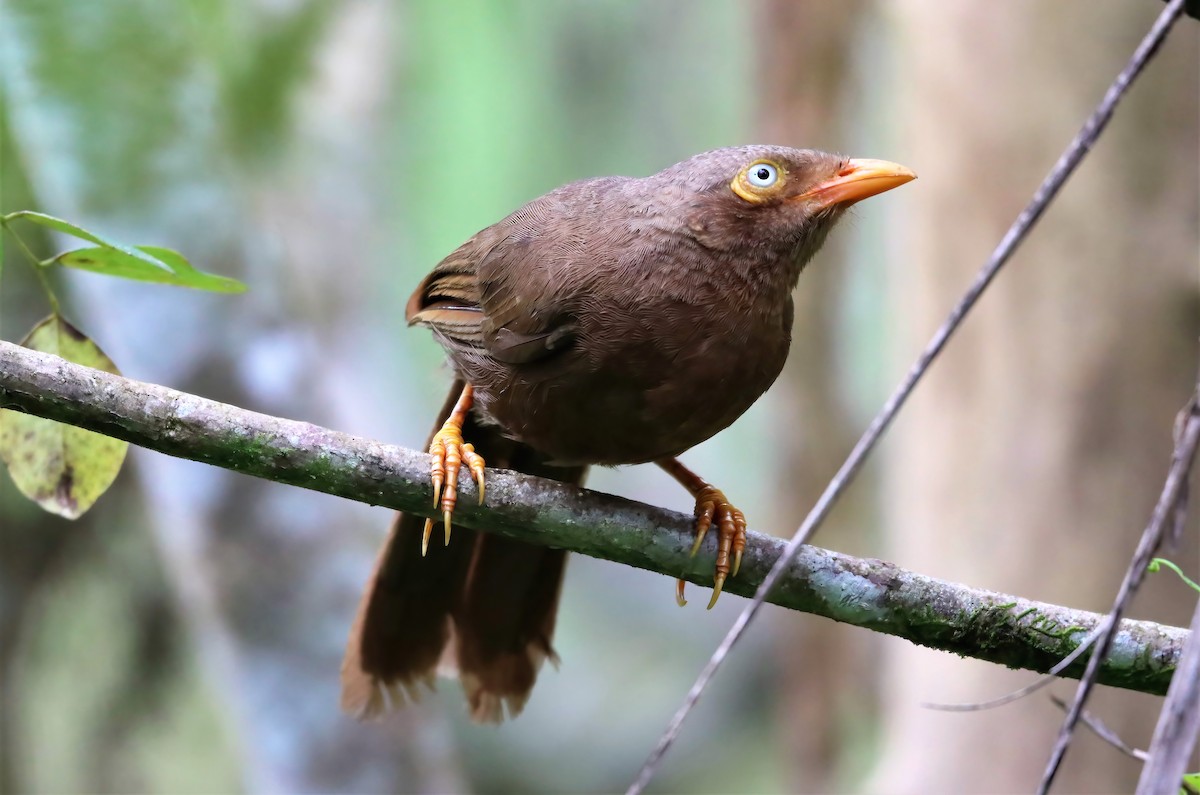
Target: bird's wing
{"x": 514, "y": 288}
{"x": 448, "y": 299}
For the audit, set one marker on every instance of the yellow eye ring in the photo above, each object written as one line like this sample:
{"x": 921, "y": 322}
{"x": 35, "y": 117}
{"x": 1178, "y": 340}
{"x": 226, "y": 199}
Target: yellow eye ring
{"x": 759, "y": 181}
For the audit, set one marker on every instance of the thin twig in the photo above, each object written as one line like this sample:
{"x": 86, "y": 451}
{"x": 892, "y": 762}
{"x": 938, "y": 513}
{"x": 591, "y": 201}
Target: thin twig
{"x": 1104, "y": 732}
{"x": 1050, "y": 676}
{"x": 1160, "y": 523}
{"x": 1020, "y": 228}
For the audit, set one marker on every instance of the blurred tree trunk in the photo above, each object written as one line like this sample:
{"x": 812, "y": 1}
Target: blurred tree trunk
{"x": 805, "y": 72}
{"x": 1030, "y": 460}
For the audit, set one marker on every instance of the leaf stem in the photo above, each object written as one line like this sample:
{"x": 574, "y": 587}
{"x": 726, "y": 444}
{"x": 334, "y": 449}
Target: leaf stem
{"x": 1157, "y": 562}
{"x": 36, "y": 263}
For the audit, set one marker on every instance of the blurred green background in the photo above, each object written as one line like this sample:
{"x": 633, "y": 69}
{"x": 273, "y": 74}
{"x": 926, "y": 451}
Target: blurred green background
{"x": 185, "y": 635}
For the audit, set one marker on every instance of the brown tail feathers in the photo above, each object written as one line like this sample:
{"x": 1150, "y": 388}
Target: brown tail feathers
{"x": 483, "y": 607}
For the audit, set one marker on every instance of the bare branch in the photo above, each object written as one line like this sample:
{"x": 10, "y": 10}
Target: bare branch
{"x": 868, "y": 593}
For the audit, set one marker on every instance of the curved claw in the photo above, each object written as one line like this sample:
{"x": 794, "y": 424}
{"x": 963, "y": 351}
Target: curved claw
{"x": 679, "y": 600}
{"x": 425, "y": 537}
{"x": 446, "y": 521}
{"x": 718, "y": 584}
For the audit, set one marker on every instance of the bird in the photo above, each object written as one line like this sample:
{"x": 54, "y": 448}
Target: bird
{"x": 611, "y": 321}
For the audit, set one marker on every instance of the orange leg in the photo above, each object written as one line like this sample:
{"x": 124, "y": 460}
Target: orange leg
{"x": 711, "y": 505}
{"x": 449, "y": 452}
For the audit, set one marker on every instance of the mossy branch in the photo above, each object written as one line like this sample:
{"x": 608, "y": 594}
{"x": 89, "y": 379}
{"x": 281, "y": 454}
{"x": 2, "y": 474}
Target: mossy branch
{"x": 868, "y": 593}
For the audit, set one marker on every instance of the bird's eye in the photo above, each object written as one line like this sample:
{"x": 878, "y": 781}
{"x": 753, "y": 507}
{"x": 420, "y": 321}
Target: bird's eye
{"x": 762, "y": 175}
{"x": 759, "y": 182}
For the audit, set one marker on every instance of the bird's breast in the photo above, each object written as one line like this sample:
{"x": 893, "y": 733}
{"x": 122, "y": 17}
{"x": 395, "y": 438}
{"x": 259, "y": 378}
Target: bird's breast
{"x": 659, "y": 365}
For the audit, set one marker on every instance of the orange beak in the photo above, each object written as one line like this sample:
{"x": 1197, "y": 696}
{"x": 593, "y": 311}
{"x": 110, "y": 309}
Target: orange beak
{"x": 858, "y": 179}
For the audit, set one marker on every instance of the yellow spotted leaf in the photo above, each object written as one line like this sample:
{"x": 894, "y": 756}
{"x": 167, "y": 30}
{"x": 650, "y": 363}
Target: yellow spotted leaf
{"x": 62, "y": 468}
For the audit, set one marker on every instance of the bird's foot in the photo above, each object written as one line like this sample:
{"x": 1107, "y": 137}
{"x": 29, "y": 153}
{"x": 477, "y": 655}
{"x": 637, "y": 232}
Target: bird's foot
{"x": 449, "y": 452}
{"x": 712, "y": 507}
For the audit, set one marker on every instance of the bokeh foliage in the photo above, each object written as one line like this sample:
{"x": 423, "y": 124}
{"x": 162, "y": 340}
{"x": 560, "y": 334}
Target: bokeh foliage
{"x": 327, "y": 154}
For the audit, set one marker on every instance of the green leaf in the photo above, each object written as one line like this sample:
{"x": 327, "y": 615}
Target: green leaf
{"x": 62, "y": 468}
{"x": 117, "y": 263}
{"x": 68, "y": 228}
{"x": 1191, "y": 780}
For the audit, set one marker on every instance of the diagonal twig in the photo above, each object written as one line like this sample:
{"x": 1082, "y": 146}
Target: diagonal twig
{"x": 1063, "y": 168}
{"x": 1160, "y": 523}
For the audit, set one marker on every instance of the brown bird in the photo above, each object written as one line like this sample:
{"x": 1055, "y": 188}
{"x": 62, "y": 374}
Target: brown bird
{"x": 611, "y": 321}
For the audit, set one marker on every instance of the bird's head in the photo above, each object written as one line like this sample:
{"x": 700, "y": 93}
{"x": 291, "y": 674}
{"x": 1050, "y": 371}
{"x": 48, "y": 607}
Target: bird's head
{"x": 775, "y": 200}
